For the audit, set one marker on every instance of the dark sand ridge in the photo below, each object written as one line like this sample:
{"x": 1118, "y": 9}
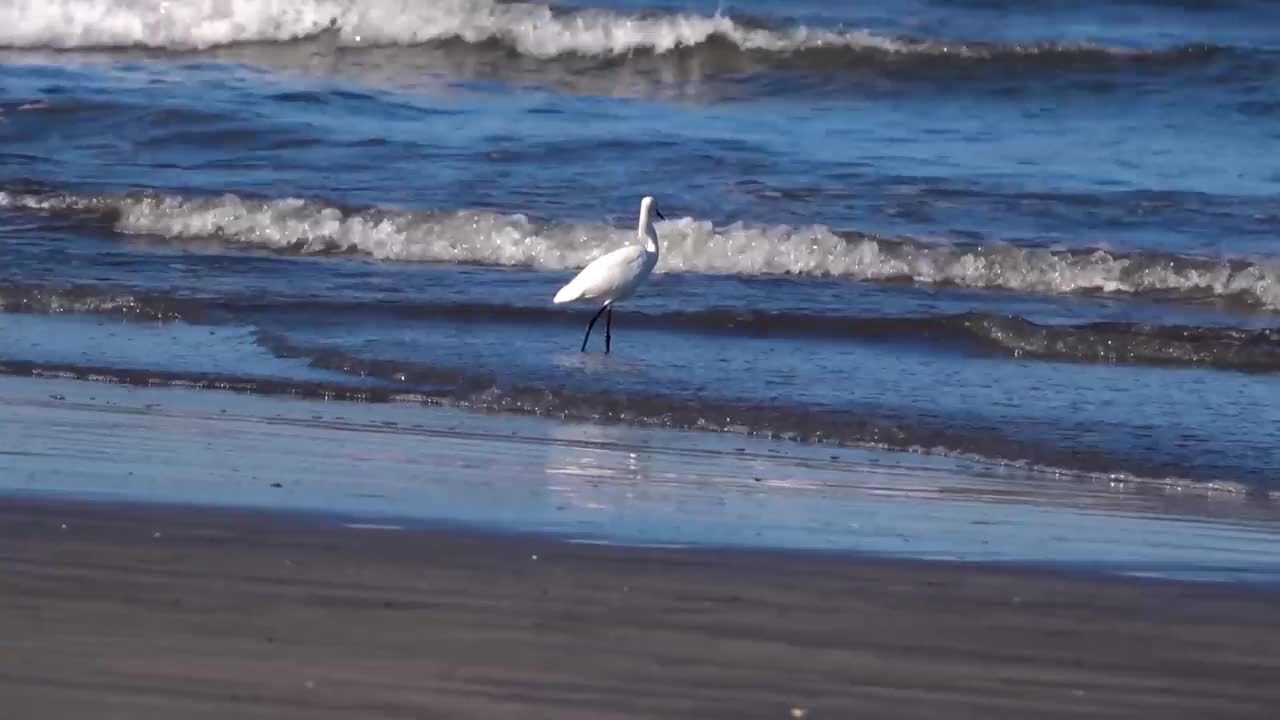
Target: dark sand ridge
{"x": 156, "y": 612}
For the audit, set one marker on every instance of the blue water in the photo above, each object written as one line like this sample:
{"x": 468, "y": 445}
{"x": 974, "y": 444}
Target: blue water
{"x": 1038, "y": 233}
{"x": 390, "y": 465}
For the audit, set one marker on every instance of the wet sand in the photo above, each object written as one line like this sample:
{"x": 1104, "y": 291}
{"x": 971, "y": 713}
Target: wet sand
{"x": 67, "y": 438}
{"x": 134, "y": 611}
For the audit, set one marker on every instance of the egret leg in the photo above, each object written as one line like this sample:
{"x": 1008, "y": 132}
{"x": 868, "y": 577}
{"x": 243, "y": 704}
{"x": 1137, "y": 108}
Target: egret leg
{"x": 592, "y": 324}
{"x": 608, "y": 329}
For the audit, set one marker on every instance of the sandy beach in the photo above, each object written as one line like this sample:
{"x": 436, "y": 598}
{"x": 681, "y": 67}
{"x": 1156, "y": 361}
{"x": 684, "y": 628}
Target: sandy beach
{"x": 198, "y": 554}
{"x": 942, "y": 382}
{"x": 119, "y": 611}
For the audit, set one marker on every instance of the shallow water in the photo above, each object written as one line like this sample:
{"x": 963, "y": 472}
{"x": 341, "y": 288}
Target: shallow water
{"x": 391, "y": 465}
{"x": 1028, "y": 233}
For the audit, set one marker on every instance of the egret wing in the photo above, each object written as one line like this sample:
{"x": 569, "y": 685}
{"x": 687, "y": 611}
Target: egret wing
{"x": 607, "y": 277}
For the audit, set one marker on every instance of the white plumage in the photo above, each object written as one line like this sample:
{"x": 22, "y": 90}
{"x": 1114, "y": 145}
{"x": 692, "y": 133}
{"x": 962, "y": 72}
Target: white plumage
{"x": 616, "y": 275}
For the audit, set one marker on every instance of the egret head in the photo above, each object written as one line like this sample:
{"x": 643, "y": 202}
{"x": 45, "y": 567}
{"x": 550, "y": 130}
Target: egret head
{"x": 647, "y": 204}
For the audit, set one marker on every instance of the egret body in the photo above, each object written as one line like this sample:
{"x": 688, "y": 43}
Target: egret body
{"x": 615, "y": 276}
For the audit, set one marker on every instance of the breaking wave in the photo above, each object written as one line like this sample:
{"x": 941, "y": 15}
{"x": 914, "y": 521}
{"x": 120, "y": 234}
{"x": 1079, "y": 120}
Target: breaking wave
{"x": 531, "y": 29}
{"x": 688, "y": 245}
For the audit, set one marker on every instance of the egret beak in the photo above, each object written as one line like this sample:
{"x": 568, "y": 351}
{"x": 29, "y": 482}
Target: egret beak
{"x": 659, "y": 212}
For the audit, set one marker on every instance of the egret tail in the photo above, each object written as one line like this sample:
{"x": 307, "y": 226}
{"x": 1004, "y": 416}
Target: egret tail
{"x": 568, "y": 293}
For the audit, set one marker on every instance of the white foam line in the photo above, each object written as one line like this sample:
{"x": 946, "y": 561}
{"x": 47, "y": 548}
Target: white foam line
{"x": 533, "y": 29}
{"x": 688, "y": 245}
{"x": 372, "y": 526}
{"x": 597, "y": 541}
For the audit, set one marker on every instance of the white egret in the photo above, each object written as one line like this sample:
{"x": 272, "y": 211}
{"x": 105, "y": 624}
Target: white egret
{"x": 615, "y": 276}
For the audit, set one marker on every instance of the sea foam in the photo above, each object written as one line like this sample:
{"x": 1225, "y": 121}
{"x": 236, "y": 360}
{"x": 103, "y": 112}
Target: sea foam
{"x": 532, "y": 29}
{"x": 688, "y": 245}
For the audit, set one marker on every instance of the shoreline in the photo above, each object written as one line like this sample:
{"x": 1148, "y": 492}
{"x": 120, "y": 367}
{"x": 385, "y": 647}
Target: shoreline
{"x": 320, "y": 520}
{"x": 593, "y": 483}
{"x": 159, "y": 611}
{"x": 166, "y": 513}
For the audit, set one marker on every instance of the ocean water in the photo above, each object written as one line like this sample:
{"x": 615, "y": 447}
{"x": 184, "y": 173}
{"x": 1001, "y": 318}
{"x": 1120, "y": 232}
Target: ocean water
{"x": 1040, "y": 234}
